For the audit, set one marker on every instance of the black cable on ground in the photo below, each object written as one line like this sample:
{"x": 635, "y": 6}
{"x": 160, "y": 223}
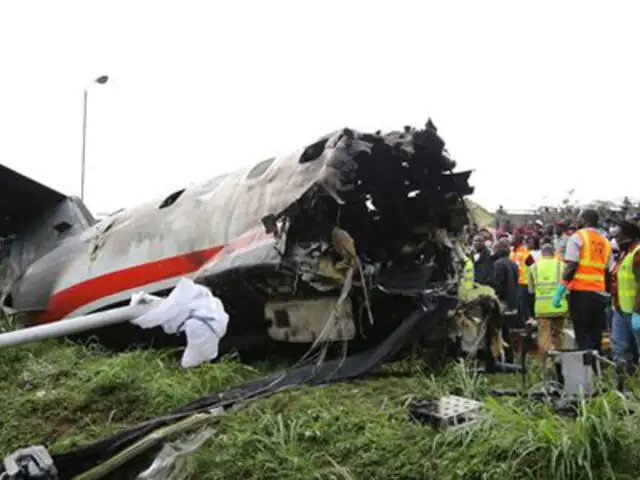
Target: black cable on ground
{"x": 72, "y": 463}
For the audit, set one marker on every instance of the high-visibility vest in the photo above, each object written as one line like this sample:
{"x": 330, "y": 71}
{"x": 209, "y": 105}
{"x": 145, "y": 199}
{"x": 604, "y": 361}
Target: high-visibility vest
{"x": 547, "y": 276}
{"x": 519, "y": 256}
{"x": 626, "y": 280}
{"x": 594, "y": 257}
{"x": 469, "y": 273}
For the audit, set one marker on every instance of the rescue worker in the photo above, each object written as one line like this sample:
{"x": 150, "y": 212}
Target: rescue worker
{"x": 481, "y": 260}
{"x": 587, "y": 278}
{"x": 523, "y": 259}
{"x": 469, "y": 274}
{"x": 544, "y": 278}
{"x": 625, "y": 296}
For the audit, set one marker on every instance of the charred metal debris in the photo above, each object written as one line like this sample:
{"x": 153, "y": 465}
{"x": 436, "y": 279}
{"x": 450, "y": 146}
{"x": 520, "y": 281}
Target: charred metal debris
{"x": 372, "y": 229}
{"x": 364, "y": 220}
{"x": 394, "y": 194}
{"x": 378, "y": 216}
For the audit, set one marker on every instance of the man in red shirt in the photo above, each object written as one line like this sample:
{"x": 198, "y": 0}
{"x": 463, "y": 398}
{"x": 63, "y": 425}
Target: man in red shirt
{"x": 625, "y": 296}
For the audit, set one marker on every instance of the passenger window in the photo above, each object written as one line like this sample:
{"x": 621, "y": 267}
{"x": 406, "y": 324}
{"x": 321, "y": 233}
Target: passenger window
{"x": 260, "y": 168}
{"x": 313, "y": 151}
{"x": 171, "y": 199}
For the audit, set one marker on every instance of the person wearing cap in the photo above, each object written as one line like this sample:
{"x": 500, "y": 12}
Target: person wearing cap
{"x": 625, "y": 328}
{"x": 587, "y": 279}
{"x": 544, "y": 278}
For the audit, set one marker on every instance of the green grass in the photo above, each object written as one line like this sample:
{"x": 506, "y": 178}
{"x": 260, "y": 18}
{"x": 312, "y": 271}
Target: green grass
{"x": 64, "y": 394}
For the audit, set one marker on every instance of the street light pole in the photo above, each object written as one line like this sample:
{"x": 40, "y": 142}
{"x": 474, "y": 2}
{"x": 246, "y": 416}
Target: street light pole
{"x": 101, "y": 81}
{"x": 84, "y": 143}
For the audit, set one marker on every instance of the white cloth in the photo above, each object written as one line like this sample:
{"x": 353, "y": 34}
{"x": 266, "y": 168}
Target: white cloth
{"x": 190, "y": 308}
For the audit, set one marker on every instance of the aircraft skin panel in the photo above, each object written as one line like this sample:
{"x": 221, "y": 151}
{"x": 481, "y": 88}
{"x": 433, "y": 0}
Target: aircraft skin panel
{"x": 68, "y": 300}
{"x": 147, "y": 244}
{"x": 217, "y": 227}
{"x": 202, "y": 217}
{"x": 122, "y": 296}
{"x": 150, "y": 278}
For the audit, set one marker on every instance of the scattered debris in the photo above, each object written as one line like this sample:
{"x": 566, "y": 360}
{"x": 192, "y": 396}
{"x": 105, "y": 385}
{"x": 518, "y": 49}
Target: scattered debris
{"x": 30, "y": 463}
{"x": 363, "y": 223}
{"x": 446, "y": 413}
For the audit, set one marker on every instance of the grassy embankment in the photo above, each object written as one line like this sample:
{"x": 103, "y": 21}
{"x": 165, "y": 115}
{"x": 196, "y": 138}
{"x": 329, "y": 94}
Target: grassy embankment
{"x": 63, "y": 394}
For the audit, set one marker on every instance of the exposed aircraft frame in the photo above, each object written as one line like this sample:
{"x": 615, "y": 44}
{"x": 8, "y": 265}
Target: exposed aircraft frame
{"x": 352, "y": 238}
{"x": 372, "y": 216}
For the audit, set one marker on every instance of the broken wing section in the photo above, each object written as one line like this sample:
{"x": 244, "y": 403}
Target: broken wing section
{"x": 34, "y": 220}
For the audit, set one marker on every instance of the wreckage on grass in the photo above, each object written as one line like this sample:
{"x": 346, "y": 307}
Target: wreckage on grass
{"x": 369, "y": 216}
{"x": 349, "y": 239}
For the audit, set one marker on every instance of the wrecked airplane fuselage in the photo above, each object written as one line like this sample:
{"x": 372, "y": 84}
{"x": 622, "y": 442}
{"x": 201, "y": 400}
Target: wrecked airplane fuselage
{"x": 362, "y": 221}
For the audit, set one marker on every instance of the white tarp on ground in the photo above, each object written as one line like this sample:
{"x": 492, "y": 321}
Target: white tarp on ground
{"x": 190, "y": 308}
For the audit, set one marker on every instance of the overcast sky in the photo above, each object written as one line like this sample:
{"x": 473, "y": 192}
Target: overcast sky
{"x": 537, "y": 97}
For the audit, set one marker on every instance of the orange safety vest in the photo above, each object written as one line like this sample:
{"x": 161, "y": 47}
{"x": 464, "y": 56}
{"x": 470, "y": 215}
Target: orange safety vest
{"x": 518, "y": 256}
{"x": 594, "y": 257}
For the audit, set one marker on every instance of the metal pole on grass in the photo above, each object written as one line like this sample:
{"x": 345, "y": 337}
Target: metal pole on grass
{"x": 69, "y": 326}
{"x": 101, "y": 80}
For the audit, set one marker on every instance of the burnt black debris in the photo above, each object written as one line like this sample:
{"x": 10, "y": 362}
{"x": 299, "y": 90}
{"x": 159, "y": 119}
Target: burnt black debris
{"x": 394, "y": 188}
{"x": 396, "y": 194}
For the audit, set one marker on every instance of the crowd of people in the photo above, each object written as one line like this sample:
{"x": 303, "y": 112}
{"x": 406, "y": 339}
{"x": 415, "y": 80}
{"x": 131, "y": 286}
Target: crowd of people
{"x": 586, "y": 272}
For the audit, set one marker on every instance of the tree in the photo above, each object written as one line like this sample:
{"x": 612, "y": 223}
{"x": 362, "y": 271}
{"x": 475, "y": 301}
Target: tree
{"x": 569, "y": 208}
{"x": 605, "y": 208}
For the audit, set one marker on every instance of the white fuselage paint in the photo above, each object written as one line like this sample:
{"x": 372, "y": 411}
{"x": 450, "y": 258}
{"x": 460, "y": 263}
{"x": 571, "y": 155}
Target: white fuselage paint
{"x": 203, "y": 217}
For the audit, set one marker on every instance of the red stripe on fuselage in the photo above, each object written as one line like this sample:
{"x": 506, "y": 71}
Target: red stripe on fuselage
{"x": 70, "y": 299}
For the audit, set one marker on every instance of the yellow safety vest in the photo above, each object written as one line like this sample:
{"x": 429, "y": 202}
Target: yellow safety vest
{"x": 627, "y": 285}
{"x": 547, "y": 277}
{"x": 469, "y": 273}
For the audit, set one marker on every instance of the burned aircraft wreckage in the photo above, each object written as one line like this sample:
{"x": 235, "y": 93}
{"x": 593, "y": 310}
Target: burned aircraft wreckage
{"x": 370, "y": 216}
{"x": 351, "y": 239}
